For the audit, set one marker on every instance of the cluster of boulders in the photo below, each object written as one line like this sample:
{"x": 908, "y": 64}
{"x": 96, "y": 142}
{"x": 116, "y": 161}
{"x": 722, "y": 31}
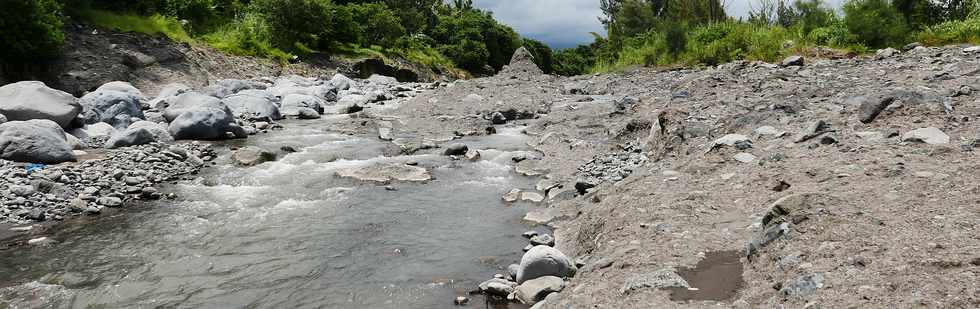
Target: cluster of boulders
{"x": 541, "y": 272}
{"x": 44, "y": 126}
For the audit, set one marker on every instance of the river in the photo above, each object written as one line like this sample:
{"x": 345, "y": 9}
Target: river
{"x": 290, "y": 234}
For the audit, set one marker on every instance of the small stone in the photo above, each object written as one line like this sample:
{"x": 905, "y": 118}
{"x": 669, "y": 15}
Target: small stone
{"x": 814, "y": 129}
{"x": 767, "y": 130}
{"x": 22, "y": 191}
{"x": 92, "y": 210}
{"x": 583, "y": 186}
{"x": 512, "y": 196}
{"x": 109, "y": 201}
{"x": 930, "y": 135}
{"x": 530, "y": 234}
{"x": 461, "y": 300}
{"x": 731, "y": 140}
{"x": 543, "y": 240}
{"x": 744, "y": 157}
{"x": 473, "y": 155}
{"x": 498, "y": 287}
{"x": 533, "y": 197}
{"x": 803, "y": 286}
{"x": 972, "y": 49}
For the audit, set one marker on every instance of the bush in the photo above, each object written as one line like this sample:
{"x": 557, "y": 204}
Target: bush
{"x": 30, "y": 29}
{"x": 298, "y": 24}
{"x": 248, "y": 36}
{"x": 376, "y": 24}
{"x": 152, "y": 25}
{"x": 957, "y": 31}
{"x": 834, "y": 35}
{"x": 876, "y": 23}
{"x": 574, "y": 61}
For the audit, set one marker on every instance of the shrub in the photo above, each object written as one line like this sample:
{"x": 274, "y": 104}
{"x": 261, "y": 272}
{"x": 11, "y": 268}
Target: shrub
{"x": 247, "y": 36}
{"x": 152, "y": 25}
{"x": 295, "y": 24}
{"x": 876, "y": 23}
{"x": 376, "y": 24}
{"x": 30, "y": 29}
{"x": 957, "y": 31}
{"x": 834, "y": 35}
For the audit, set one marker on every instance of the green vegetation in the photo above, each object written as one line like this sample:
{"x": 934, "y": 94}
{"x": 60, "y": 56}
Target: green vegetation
{"x": 155, "y": 24}
{"x": 433, "y": 33}
{"x": 30, "y": 29}
{"x": 695, "y": 32}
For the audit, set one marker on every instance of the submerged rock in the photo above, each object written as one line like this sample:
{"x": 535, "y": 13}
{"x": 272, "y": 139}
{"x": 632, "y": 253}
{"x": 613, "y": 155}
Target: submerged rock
{"x": 252, "y": 155}
{"x": 386, "y": 172}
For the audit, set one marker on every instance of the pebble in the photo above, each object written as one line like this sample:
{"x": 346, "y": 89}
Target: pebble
{"x": 744, "y": 157}
{"x": 461, "y": 300}
{"x": 930, "y": 135}
{"x": 543, "y": 240}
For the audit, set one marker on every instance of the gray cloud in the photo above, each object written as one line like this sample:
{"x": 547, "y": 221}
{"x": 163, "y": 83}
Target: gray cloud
{"x": 566, "y": 23}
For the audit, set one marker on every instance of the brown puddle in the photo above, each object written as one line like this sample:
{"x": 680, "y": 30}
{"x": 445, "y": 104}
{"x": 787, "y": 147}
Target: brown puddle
{"x": 716, "y": 277}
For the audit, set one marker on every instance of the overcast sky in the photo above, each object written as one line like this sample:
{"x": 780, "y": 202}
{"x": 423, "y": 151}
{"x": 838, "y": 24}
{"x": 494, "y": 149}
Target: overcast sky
{"x": 567, "y": 23}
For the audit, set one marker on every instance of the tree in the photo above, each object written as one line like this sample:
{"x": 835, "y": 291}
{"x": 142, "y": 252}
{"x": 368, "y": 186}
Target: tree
{"x": 30, "y": 30}
{"x": 876, "y": 23}
{"x": 298, "y": 24}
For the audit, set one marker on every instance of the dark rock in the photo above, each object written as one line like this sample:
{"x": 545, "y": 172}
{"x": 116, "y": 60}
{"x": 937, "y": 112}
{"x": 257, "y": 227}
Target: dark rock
{"x": 790, "y": 61}
{"x": 115, "y": 105}
{"x": 498, "y": 118}
{"x": 203, "y": 123}
{"x": 871, "y": 108}
{"x": 457, "y": 149}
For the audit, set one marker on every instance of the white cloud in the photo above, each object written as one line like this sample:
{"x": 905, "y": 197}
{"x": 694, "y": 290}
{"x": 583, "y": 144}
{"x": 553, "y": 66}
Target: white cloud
{"x": 566, "y": 23}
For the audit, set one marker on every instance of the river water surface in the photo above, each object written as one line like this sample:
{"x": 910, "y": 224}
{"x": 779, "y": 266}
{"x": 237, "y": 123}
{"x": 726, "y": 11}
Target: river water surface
{"x": 289, "y": 234}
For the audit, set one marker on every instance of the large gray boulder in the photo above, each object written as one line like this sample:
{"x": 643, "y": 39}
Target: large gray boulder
{"x": 253, "y": 107}
{"x": 192, "y": 101}
{"x": 95, "y": 130}
{"x": 226, "y": 87}
{"x": 203, "y": 124}
{"x": 341, "y": 82}
{"x": 292, "y": 104}
{"x": 130, "y": 137}
{"x": 34, "y": 100}
{"x": 115, "y": 107}
{"x": 159, "y": 130}
{"x": 121, "y": 87}
{"x": 34, "y": 141}
{"x": 543, "y": 261}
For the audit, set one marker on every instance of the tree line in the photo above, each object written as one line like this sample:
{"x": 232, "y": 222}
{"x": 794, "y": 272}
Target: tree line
{"x": 455, "y": 30}
{"x": 691, "y": 32}
{"x": 455, "y": 33}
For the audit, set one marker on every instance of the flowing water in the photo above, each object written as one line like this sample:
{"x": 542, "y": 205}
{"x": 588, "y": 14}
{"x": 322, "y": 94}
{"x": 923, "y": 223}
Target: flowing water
{"x": 290, "y": 234}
